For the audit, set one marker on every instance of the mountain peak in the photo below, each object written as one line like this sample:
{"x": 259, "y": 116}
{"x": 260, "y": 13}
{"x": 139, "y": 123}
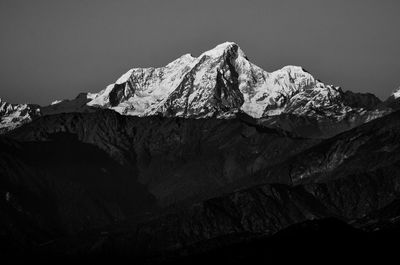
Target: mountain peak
{"x": 221, "y": 82}
{"x": 393, "y": 101}
{"x": 396, "y": 93}
{"x": 223, "y": 49}
{"x": 13, "y": 115}
{"x": 294, "y": 68}
{"x": 225, "y": 46}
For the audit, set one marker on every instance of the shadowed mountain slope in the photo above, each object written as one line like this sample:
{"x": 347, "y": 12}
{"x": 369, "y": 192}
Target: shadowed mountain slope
{"x": 175, "y": 158}
{"x": 62, "y": 186}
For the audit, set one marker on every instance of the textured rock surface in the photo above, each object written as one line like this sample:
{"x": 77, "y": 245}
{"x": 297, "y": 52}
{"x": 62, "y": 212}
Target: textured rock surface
{"x": 14, "y": 115}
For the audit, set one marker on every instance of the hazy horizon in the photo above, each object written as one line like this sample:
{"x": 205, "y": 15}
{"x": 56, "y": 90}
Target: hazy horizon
{"x": 55, "y": 49}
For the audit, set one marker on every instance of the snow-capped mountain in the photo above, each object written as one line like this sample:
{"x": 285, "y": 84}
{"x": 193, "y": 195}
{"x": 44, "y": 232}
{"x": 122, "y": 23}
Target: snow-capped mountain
{"x": 14, "y": 115}
{"x": 220, "y": 83}
{"x": 394, "y": 100}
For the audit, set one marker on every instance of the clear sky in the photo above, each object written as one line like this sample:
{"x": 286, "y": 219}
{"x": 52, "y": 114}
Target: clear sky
{"x": 55, "y": 49}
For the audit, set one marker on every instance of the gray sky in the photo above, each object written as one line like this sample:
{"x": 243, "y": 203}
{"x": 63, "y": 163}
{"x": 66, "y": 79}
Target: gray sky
{"x": 56, "y": 49}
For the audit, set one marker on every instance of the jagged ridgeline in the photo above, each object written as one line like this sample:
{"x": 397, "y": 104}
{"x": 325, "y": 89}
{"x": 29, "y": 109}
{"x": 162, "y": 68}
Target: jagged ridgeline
{"x": 221, "y": 83}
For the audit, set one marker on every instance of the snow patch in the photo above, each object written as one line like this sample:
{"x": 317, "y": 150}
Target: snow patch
{"x": 396, "y": 93}
{"x": 55, "y": 102}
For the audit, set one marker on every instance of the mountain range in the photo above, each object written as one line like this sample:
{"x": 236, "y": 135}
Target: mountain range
{"x": 223, "y": 83}
{"x": 208, "y": 158}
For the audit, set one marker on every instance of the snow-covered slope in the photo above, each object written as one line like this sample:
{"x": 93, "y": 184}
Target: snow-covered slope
{"x": 220, "y": 83}
{"x": 396, "y": 93}
{"x": 14, "y": 115}
{"x": 394, "y": 100}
